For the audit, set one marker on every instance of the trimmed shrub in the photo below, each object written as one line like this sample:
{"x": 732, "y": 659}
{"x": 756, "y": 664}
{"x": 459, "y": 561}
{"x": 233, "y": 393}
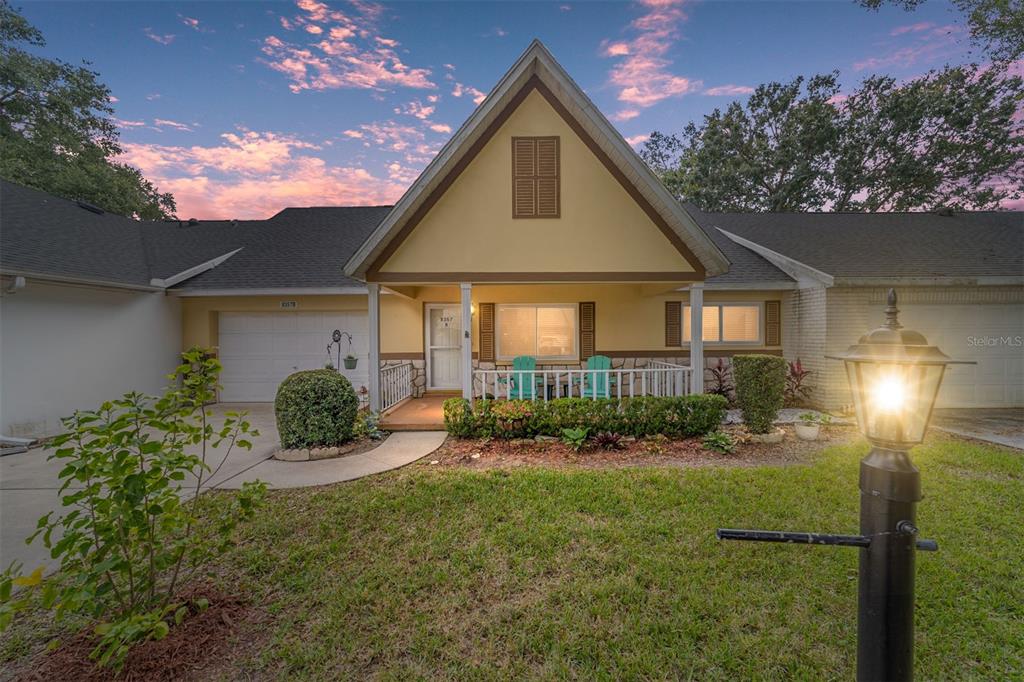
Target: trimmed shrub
{"x": 315, "y": 408}
{"x": 760, "y": 388}
{"x": 693, "y": 415}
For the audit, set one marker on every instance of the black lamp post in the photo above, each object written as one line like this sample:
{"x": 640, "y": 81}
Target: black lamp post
{"x": 894, "y": 376}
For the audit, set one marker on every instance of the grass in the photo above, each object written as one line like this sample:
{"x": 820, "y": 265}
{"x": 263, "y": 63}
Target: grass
{"x": 616, "y": 574}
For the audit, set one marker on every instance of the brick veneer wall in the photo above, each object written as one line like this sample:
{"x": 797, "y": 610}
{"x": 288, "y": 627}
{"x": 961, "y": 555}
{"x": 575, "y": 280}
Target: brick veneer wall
{"x": 804, "y": 326}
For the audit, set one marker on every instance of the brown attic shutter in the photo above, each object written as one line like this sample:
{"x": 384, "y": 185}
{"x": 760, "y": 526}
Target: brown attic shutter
{"x": 588, "y": 323}
{"x": 772, "y": 323}
{"x": 524, "y": 177}
{"x": 673, "y": 323}
{"x": 486, "y": 332}
{"x": 548, "y": 178}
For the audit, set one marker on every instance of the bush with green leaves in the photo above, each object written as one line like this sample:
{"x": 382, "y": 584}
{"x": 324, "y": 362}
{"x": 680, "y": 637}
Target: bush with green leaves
{"x": 719, "y": 442}
{"x": 128, "y": 540}
{"x": 575, "y": 438}
{"x": 760, "y": 389}
{"x": 315, "y": 408}
{"x": 676, "y": 417}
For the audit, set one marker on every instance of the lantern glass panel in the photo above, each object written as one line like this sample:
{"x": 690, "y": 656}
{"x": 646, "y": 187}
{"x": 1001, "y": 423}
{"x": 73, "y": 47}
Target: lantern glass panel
{"x": 893, "y": 401}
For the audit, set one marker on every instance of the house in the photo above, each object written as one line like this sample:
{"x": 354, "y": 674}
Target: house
{"x": 535, "y": 231}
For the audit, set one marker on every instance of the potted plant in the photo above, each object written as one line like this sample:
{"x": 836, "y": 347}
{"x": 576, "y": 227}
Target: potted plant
{"x": 350, "y": 361}
{"x": 809, "y": 426}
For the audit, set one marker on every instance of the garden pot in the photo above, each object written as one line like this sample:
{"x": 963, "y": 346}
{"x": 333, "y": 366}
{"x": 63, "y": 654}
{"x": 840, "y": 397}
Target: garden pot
{"x": 807, "y": 431}
{"x": 350, "y": 363}
{"x": 770, "y": 438}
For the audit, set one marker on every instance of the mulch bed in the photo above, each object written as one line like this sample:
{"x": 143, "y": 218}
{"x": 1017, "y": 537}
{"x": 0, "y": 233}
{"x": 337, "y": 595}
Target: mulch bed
{"x": 496, "y": 453}
{"x": 195, "y": 649}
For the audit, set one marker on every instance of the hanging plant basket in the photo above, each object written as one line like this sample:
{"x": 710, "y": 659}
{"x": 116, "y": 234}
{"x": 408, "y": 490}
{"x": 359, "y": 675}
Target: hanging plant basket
{"x": 350, "y": 362}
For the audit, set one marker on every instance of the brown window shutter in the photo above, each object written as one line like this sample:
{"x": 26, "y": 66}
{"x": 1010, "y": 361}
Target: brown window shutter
{"x": 486, "y": 332}
{"x": 588, "y": 323}
{"x": 772, "y": 323}
{"x": 536, "y": 177}
{"x": 673, "y": 323}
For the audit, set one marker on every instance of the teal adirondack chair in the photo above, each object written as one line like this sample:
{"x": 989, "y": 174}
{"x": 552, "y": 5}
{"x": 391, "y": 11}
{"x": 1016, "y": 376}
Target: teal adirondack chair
{"x": 526, "y": 384}
{"x": 597, "y": 384}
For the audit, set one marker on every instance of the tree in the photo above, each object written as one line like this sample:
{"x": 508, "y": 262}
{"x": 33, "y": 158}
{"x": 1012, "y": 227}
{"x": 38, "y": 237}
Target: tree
{"x": 946, "y": 139}
{"x": 996, "y": 25}
{"x": 56, "y": 133}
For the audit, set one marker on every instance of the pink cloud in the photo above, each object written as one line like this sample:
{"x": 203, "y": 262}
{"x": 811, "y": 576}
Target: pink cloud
{"x": 637, "y": 140}
{"x": 165, "y": 39}
{"x": 416, "y": 108}
{"x": 625, "y": 115}
{"x": 729, "y": 90}
{"x": 643, "y": 76}
{"x": 254, "y": 175}
{"x": 929, "y": 43}
{"x": 393, "y": 136}
{"x": 911, "y": 28}
{"x": 121, "y": 123}
{"x": 165, "y": 123}
{"x": 351, "y": 55}
{"x": 441, "y": 128}
{"x": 459, "y": 90}
{"x": 191, "y": 22}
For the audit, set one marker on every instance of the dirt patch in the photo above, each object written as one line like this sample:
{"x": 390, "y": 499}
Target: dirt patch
{"x": 495, "y": 453}
{"x": 199, "y": 648}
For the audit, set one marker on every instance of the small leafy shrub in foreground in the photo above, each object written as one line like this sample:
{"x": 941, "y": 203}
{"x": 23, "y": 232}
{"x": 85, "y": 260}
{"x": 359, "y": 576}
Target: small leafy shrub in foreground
{"x": 129, "y": 540}
{"x": 574, "y": 438}
{"x": 675, "y": 417}
{"x": 760, "y": 386}
{"x": 315, "y": 408}
{"x": 606, "y": 440}
{"x": 720, "y": 442}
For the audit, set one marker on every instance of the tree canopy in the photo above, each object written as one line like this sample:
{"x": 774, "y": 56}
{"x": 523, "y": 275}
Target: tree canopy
{"x": 56, "y": 133}
{"x": 946, "y": 139}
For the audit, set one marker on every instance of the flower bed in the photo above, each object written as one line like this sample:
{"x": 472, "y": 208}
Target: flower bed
{"x": 693, "y": 415}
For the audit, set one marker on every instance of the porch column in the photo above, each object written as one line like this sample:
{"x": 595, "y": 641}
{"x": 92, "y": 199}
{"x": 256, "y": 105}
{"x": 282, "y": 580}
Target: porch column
{"x": 373, "y": 289}
{"x": 697, "y": 337}
{"x": 466, "y": 290}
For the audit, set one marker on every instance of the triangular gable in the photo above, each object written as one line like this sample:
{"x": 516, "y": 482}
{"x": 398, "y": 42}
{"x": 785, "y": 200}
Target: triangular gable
{"x": 537, "y": 72}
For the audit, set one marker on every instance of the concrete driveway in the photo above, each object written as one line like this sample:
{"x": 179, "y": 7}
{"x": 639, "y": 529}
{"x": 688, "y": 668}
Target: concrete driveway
{"x": 999, "y": 426}
{"x": 29, "y": 484}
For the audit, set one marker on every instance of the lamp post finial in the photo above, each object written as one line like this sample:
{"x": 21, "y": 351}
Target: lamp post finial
{"x": 891, "y": 311}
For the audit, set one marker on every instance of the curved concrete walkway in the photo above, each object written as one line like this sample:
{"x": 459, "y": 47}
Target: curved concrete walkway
{"x": 398, "y": 450}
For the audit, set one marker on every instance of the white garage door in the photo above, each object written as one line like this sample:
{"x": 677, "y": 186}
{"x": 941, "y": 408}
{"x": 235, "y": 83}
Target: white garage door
{"x": 988, "y": 334}
{"x": 258, "y": 350}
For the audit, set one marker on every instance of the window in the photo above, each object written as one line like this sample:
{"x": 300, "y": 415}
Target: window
{"x": 547, "y": 332}
{"x": 536, "y": 177}
{"x": 727, "y": 323}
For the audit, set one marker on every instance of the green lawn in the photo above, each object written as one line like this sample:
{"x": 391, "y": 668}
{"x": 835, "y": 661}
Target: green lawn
{"x": 616, "y": 574}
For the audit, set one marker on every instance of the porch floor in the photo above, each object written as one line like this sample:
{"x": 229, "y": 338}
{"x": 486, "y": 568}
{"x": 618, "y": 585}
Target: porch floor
{"x": 416, "y": 414}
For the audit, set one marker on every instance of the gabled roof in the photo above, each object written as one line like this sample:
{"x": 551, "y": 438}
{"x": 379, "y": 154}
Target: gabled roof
{"x": 297, "y": 248}
{"x": 537, "y": 69}
{"x": 983, "y": 246}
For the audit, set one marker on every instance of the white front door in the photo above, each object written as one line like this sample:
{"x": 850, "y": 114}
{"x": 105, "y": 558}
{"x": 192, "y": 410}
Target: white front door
{"x": 443, "y": 323}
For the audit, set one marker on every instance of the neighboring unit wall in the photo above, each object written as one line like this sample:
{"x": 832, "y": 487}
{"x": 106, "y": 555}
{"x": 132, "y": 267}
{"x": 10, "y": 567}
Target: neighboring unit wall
{"x": 975, "y": 323}
{"x": 804, "y": 321}
{"x": 66, "y": 348}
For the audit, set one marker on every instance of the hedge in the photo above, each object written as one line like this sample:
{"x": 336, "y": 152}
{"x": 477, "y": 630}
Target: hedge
{"x": 315, "y": 408}
{"x": 693, "y": 415}
{"x": 760, "y": 389}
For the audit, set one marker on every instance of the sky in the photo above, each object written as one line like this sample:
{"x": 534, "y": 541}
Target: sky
{"x": 241, "y": 109}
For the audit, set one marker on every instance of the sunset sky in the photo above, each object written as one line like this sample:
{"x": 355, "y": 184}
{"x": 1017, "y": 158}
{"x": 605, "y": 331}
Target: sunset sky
{"x": 243, "y": 108}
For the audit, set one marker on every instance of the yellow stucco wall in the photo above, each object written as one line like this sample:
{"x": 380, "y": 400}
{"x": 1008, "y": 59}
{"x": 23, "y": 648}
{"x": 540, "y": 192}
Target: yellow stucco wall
{"x": 628, "y": 317}
{"x": 471, "y": 229}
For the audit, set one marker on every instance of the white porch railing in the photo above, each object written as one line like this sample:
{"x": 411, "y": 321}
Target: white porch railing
{"x": 395, "y": 384}
{"x": 656, "y": 379}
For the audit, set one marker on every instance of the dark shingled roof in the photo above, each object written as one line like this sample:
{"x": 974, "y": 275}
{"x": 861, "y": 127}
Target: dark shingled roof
{"x": 888, "y": 245}
{"x": 42, "y": 234}
{"x": 298, "y": 247}
{"x": 745, "y": 266}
